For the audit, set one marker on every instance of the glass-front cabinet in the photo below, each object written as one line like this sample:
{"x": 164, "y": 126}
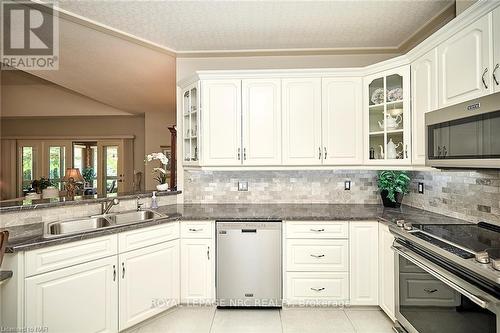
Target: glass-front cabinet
{"x": 190, "y": 123}
{"x": 387, "y": 117}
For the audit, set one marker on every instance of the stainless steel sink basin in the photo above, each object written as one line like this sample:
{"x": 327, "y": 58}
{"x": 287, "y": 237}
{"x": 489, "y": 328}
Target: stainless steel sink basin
{"x": 77, "y": 226}
{"x": 135, "y": 216}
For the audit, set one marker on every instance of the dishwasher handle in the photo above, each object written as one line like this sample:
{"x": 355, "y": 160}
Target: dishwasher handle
{"x": 249, "y": 231}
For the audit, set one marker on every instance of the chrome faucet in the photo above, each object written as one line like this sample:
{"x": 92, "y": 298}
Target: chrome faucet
{"x": 107, "y": 205}
{"x": 138, "y": 203}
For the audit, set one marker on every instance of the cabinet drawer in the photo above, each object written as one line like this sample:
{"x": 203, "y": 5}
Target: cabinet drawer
{"x": 65, "y": 255}
{"x": 317, "y": 255}
{"x": 423, "y": 290}
{"x": 317, "y": 286}
{"x": 196, "y": 229}
{"x": 139, "y": 238}
{"x": 312, "y": 229}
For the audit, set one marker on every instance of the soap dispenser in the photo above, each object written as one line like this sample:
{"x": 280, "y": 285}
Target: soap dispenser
{"x": 154, "y": 202}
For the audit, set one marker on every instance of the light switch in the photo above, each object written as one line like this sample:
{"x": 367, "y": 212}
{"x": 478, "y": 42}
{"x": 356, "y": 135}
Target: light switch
{"x": 242, "y": 186}
{"x": 421, "y": 188}
{"x": 347, "y": 185}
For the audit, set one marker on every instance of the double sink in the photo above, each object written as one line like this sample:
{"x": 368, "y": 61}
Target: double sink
{"x": 82, "y": 225}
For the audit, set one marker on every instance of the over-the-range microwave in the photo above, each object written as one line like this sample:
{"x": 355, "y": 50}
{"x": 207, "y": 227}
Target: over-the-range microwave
{"x": 466, "y": 135}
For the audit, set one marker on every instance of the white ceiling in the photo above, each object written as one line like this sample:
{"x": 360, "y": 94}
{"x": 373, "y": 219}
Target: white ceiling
{"x": 190, "y": 26}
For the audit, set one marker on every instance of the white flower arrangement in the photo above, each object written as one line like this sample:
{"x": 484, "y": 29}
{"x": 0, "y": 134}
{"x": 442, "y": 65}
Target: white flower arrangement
{"x": 161, "y": 176}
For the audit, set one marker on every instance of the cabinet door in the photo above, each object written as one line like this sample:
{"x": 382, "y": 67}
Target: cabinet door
{"x": 386, "y": 271}
{"x": 81, "y": 298}
{"x": 463, "y": 59}
{"x": 149, "y": 282}
{"x": 496, "y": 50}
{"x": 197, "y": 270}
{"x": 302, "y": 121}
{"x": 261, "y": 121}
{"x": 341, "y": 119}
{"x": 363, "y": 244}
{"x": 424, "y": 99}
{"x": 221, "y": 121}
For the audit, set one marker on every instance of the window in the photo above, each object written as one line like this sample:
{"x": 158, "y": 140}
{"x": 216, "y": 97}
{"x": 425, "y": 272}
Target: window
{"x": 56, "y": 167}
{"x": 28, "y": 167}
{"x": 111, "y": 168}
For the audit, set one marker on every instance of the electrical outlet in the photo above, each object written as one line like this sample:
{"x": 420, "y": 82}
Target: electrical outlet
{"x": 421, "y": 188}
{"x": 347, "y": 185}
{"x": 242, "y": 186}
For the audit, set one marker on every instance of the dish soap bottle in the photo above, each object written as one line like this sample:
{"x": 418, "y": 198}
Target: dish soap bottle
{"x": 154, "y": 202}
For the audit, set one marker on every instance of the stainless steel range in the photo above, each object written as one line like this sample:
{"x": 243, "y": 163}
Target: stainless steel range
{"x": 447, "y": 277}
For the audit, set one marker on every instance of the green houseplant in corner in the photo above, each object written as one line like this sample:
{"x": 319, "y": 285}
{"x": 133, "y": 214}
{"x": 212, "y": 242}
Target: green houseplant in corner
{"x": 393, "y": 186}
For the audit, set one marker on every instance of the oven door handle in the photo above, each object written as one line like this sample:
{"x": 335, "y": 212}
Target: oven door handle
{"x": 401, "y": 251}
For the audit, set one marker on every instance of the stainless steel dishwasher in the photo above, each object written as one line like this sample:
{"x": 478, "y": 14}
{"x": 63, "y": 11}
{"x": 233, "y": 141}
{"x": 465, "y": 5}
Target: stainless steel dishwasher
{"x": 249, "y": 264}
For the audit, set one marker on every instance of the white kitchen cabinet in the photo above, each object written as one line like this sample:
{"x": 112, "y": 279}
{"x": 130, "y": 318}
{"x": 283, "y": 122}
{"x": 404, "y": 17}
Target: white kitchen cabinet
{"x": 191, "y": 123}
{"x": 387, "y": 272}
{"x": 465, "y": 64}
{"x": 81, "y": 298}
{"x": 149, "y": 282}
{"x": 424, "y": 99}
{"x": 197, "y": 270}
{"x": 342, "y": 114}
{"x": 319, "y": 255}
{"x": 387, "y": 117}
{"x": 221, "y": 122}
{"x": 363, "y": 243}
{"x": 261, "y": 119}
{"x": 302, "y": 121}
{"x": 317, "y": 287}
{"x": 496, "y": 50}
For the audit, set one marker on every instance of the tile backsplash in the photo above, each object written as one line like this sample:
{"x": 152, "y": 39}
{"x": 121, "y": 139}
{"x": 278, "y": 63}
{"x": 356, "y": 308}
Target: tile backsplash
{"x": 466, "y": 194}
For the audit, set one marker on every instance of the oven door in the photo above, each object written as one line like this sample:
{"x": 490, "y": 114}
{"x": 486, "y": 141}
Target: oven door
{"x": 430, "y": 299}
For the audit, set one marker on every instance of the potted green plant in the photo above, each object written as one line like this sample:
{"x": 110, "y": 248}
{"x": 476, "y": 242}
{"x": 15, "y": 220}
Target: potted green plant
{"x": 41, "y": 184}
{"x": 88, "y": 174}
{"x": 393, "y": 186}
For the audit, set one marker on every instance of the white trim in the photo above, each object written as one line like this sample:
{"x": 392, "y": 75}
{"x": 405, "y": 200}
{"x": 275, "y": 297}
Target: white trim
{"x": 306, "y": 168}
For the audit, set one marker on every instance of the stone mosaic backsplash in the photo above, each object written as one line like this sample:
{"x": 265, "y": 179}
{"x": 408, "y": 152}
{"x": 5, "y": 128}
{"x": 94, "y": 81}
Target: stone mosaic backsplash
{"x": 470, "y": 195}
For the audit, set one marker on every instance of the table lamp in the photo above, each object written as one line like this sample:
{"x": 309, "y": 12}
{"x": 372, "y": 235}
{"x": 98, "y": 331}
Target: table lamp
{"x": 72, "y": 177}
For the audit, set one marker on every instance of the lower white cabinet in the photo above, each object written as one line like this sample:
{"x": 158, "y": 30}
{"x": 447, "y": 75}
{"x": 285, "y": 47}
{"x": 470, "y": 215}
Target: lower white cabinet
{"x": 149, "y": 282}
{"x": 331, "y": 255}
{"x": 81, "y": 298}
{"x": 363, "y": 243}
{"x": 317, "y": 286}
{"x": 386, "y": 271}
{"x": 197, "y": 270}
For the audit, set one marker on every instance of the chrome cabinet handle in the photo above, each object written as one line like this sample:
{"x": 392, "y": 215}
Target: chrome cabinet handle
{"x": 439, "y": 151}
{"x": 317, "y": 255}
{"x": 494, "y": 76}
{"x": 114, "y": 272}
{"x": 406, "y": 151}
{"x": 123, "y": 270}
{"x": 326, "y": 153}
{"x": 482, "y": 78}
{"x": 239, "y": 154}
{"x": 319, "y": 153}
{"x": 318, "y": 289}
{"x": 208, "y": 253}
{"x": 244, "y": 153}
{"x": 317, "y": 230}
{"x": 430, "y": 291}
{"x": 445, "y": 151}
{"x": 195, "y": 230}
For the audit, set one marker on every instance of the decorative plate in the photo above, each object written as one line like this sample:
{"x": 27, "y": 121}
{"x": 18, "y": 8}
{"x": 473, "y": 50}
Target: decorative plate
{"x": 395, "y": 94}
{"x": 378, "y": 96}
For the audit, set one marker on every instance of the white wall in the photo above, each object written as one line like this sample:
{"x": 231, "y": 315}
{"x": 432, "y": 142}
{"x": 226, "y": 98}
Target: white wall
{"x": 187, "y": 66}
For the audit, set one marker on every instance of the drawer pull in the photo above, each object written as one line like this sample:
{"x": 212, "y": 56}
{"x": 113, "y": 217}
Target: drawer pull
{"x": 318, "y": 289}
{"x": 317, "y": 230}
{"x": 430, "y": 291}
{"x": 195, "y": 230}
{"x": 317, "y": 255}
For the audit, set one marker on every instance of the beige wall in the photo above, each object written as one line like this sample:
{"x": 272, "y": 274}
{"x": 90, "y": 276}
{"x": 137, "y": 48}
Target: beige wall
{"x": 462, "y": 5}
{"x": 187, "y": 66}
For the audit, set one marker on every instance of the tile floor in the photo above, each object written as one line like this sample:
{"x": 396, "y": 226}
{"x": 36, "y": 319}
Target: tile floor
{"x": 287, "y": 320}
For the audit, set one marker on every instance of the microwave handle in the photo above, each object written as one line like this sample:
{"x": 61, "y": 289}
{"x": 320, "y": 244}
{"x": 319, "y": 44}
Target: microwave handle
{"x": 482, "y": 303}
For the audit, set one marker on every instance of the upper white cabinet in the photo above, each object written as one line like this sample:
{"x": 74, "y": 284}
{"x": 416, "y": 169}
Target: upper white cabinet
{"x": 342, "y": 114}
{"x": 261, "y": 121}
{"x": 424, "y": 99}
{"x": 465, "y": 64}
{"x": 496, "y": 49}
{"x": 191, "y": 122}
{"x": 387, "y": 117}
{"x": 363, "y": 242}
{"x": 302, "y": 121}
{"x": 221, "y": 124}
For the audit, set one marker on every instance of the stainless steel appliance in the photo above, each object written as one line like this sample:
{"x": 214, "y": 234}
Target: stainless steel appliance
{"x": 249, "y": 264}
{"x": 445, "y": 279}
{"x": 465, "y": 135}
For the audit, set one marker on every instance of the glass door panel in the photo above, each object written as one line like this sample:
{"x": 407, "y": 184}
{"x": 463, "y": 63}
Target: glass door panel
{"x": 56, "y": 165}
{"x": 111, "y": 169}
{"x": 28, "y": 167}
{"x": 190, "y": 123}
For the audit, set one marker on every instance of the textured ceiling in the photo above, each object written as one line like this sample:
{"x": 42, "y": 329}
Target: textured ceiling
{"x": 186, "y": 26}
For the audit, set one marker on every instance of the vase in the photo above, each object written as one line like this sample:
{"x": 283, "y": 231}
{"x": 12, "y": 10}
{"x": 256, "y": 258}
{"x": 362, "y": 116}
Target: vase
{"x": 162, "y": 187}
{"x": 388, "y": 202}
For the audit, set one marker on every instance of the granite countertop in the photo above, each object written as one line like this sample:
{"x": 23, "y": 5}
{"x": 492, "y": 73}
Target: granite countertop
{"x": 30, "y": 236}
